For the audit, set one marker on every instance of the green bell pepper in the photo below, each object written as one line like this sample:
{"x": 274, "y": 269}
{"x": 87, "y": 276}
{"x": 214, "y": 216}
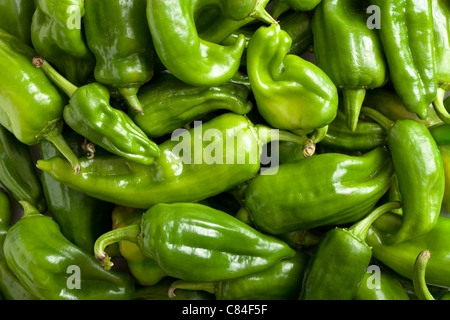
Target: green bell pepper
{"x": 290, "y": 92}
{"x": 15, "y": 18}
{"x": 349, "y": 52}
{"x": 31, "y": 115}
{"x": 70, "y": 274}
{"x": 90, "y": 114}
{"x": 184, "y": 238}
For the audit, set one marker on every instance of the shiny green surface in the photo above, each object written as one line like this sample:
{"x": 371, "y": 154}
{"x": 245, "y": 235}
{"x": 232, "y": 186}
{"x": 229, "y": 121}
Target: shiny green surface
{"x": 15, "y": 18}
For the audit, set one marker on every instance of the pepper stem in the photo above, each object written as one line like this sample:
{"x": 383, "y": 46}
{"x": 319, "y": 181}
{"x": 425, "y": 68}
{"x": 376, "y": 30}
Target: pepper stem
{"x": 209, "y": 287}
{"x": 361, "y": 228}
{"x": 260, "y": 13}
{"x": 378, "y": 117}
{"x": 129, "y": 233}
{"x": 419, "y": 282}
{"x": 266, "y": 135}
{"x": 353, "y": 100}
{"x": 64, "y": 84}
{"x": 130, "y": 96}
{"x": 439, "y": 106}
{"x": 29, "y": 209}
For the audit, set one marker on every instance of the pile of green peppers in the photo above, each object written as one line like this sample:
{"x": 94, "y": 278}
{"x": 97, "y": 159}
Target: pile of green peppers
{"x": 224, "y": 150}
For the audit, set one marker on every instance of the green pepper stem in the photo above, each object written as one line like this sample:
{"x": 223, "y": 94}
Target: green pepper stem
{"x": 260, "y": 13}
{"x": 130, "y": 96}
{"x": 128, "y": 233}
{"x": 439, "y": 106}
{"x": 361, "y": 228}
{"x": 378, "y": 117}
{"x": 319, "y": 134}
{"x": 28, "y": 209}
{"x": 419, "y": 282}
{"x": 353, "y": 100}
{"x": 64, "y": 84}
{"x": 266, "y": 135}
{"x": 209, "y": 287}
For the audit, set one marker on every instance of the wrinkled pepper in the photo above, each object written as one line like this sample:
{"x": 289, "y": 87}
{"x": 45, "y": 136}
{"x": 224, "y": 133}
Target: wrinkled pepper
{"x": 338, "y": 264}
{"x": 10, "y": 286}
{"x": 18, "y": 173}
{"x": 117, "y": 34}
{"x": 406, "y": 32}
{"x": 15, "y": 18}
{"x": 184, "y": 238}
{"x": 177, "y": 34}
{"x": 326, "y": 189}
{"x": 203, "y": 170}
{"x": 279, "y": 282}
{"x": 170, "y": 104}
{"x": 422, "y": 192}
{"x": 31, "y": 115}
{"x": 349, "y": 52}
{"x": 82, "y": 219}
{"x": 90, "y": 114}
{"x": 34, "y": 238}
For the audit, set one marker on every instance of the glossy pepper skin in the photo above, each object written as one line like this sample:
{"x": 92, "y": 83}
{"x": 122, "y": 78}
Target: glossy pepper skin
{"x": 15, "y": 18}
{"x": 279, "y": 282}
{"x": 10, "y": 286}
{"x": 406, "y": 32}
{"x": 195, "y": 175}
{"x": 349, "y": 52}
{"x": 117, "y": 34}
{"x": 184, "y": 238}
{"x": 31, "y": 115}
{"x": 144, "y": 270}
{"x": 18, "y": 173}
{"x": 177, "y": 34}
{"x": 290, "y": 92}
{"x": 82, "y": 219}
{"x": 326, "y": 189}
{"x": 170, "y": 104}
{"x": 339, "y": 263}
{"x": 91, "y": 115}
{"x": 34, "y": 238}
{"x": 422, "y": 192}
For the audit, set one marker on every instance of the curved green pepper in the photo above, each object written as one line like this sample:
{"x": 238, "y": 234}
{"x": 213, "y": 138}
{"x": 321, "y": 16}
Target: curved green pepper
{"x": 31, "y": 115}
{"x": 18, "y": 173}
{"x": 15, "y": 18}
{"x": 279, "y": 282}
{"x": 117, "y": 34}
{"x": 170, "y": 104}
{"x": 10, "y": 286}
{"x": 340, "y": 261}
{"x": 422, "y": 192}
{"x": 177, "y": 34}
{"x": 144, "y": 270}
{"x": 70, "y": 274}
{"x": 184, "y": 238}
{"x": 326, "y": 189}
{"x": 290, "y": 92}
{"x": 90, "y": 114}
{"x": 82, "y": 219}
{"x": 406, "y": 32}
{"x": 349, "y": 52}
{"x": 204, "y": 168}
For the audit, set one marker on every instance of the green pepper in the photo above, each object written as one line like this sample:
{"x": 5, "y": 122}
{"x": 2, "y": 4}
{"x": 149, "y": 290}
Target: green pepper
{"x": 406, "y": 32}
{"x": 194, "y": 164}
{"x": 422, "y": 192}
{"x": 70, "y": 274}
{"x": 184, "y": 238}
{"x": 144, "y": 270}
{"x": 281, "y": 6}
{"x": 340, "y": 261}
{"x": 30, "y": 105}
{"x": 170, "y": 104}
{"x": 202, "y": 62}
{"x": 290, "y": 92}
{"x": 10, "y": 286}
{"x": 381, "y": 285}
{"x": 90, "y": 114}
{"x": 18, "y": 173}
{"x": 326, "y": 189}
{"x": 279, "y": 282}
{"x": 445, "y": 154}
{"x": 118, "y": 35}
{"x": 82, "y": 219}
{"x": 441, "y": 133}
{"x": 15, "y": 18}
